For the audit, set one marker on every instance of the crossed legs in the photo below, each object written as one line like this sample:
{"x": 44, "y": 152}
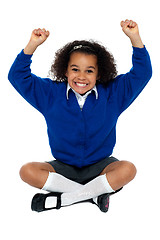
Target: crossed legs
{"x": 43, "y": 176}
{"x": 118, "y": 173}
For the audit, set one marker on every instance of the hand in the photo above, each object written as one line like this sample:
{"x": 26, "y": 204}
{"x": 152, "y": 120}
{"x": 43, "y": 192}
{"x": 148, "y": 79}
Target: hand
{"x": 130, "y": 28}
{"x": 38, "y": 36}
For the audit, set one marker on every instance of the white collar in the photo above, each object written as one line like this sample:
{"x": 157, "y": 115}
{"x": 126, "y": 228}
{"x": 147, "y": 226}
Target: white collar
{"x": 77, "y": 94}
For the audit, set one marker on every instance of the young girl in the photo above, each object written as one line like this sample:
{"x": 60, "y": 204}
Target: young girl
{"x": 81, "y": 107}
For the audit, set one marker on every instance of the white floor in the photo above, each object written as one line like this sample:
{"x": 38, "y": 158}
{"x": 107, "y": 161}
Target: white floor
{"x": 132, "y": 215}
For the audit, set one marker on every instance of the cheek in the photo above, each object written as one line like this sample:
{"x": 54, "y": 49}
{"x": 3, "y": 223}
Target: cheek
{"x": 70, "y": 75}
{"x": 93, "y": 81}
{"x": 70, "y": 78}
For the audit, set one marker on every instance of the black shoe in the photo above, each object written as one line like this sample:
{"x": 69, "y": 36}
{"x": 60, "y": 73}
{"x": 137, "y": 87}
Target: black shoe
{"x": 38, "y": 201}
{"x": 103, "y": 202}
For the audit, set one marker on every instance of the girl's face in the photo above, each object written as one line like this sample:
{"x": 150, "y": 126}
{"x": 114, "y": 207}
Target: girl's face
{"x": 82, "y": 72}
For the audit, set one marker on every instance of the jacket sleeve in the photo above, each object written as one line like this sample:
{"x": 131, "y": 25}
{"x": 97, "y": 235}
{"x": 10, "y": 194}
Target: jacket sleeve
{"x": 127, "y": 87}
{"x": 33, "y": 89}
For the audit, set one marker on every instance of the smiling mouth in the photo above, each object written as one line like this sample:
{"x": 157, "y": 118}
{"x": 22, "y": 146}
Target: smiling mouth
{"x": 81, "y": 84}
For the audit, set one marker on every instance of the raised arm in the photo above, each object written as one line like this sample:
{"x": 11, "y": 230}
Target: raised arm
{"x": 127, "y": 87}
{"x": 35, "y": 90}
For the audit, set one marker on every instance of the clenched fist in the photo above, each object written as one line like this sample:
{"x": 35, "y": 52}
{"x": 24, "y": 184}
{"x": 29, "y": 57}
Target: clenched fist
{"x": 129, "y": 27}
{"x": 38, "y": 36}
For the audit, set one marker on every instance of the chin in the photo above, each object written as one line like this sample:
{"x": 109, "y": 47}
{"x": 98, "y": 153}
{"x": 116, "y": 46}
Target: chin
{"x": 83, "y": 91}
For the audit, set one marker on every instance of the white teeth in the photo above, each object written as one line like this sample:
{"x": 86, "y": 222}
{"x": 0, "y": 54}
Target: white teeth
{"x": 81, "y": 84}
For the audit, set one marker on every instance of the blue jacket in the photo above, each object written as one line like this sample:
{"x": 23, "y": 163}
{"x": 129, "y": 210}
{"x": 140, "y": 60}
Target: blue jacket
{"x": 76, "y": 137}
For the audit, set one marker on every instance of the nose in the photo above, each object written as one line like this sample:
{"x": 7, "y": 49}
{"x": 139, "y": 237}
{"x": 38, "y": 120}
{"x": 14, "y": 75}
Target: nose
{"x": 81, "y": 76}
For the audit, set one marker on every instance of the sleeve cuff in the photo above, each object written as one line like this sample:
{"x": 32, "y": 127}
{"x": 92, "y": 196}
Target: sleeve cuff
{"x": 24, "y": 57}
{"x": 139, "y": 51}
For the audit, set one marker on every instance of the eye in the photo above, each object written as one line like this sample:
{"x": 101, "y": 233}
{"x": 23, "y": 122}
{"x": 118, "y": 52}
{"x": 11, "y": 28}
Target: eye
{"x": 89, "y": 71}
{"x": 74, "y": 69}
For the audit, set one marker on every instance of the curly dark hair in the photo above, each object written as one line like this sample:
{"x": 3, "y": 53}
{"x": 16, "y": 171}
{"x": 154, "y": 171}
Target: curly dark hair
{"x": 105, "y": 60}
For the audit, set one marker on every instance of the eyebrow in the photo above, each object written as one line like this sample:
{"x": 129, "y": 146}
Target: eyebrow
{"x": 73, "y": 65}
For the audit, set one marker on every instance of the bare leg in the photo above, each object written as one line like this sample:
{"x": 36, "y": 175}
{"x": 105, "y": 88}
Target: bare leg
{"x": 36, "y": 174}
{"x": 119, "y": 173}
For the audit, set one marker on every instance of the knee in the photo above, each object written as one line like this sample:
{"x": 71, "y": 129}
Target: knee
{"x": 26, "y": 171}
{"x": 129, "y": 169}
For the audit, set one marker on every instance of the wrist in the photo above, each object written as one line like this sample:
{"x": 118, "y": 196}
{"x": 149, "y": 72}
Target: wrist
{"x": 137, "y": 42}
{"x": 30, "y": 49}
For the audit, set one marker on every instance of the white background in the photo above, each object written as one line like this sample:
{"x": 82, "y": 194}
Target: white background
{"x": 134, "y": 212}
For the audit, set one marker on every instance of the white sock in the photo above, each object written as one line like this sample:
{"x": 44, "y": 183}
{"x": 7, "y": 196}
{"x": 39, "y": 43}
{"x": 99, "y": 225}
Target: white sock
{"x": 51, "y": 202}
{"x": 95, "y": 200}
{"x": 58, "y": 183}
{"x": 90, "y": 190}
